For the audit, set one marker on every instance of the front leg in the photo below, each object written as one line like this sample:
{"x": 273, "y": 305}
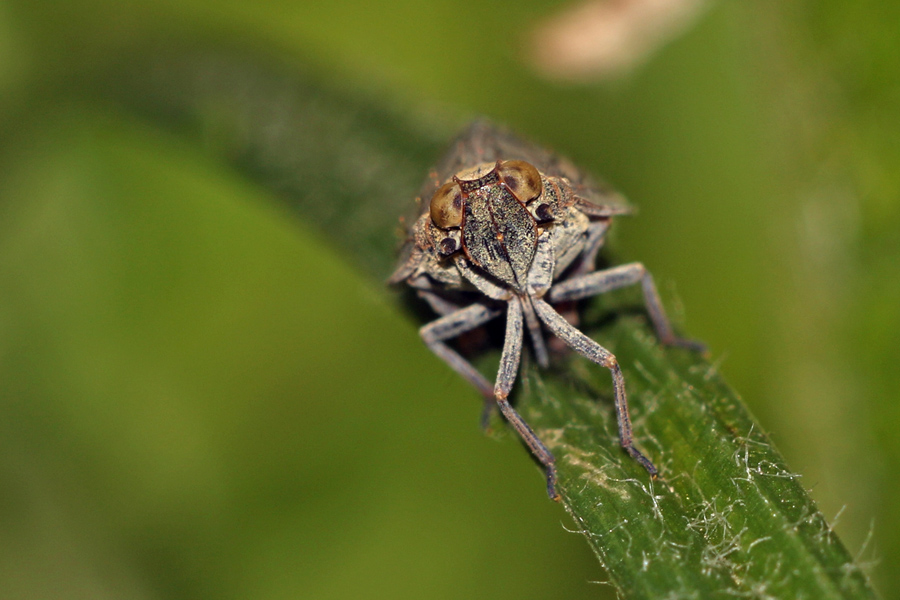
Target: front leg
{"x": 506, "y": 377}
{"x": 452, "y": 325}
{"x": 430, "y": 293}
{"x": 596, "y": 353}
{"x": 599, "y": 282}
{"x": 449, "y": 326}
{"x": 596, "y": 235}
{"x": 438, "y": 303}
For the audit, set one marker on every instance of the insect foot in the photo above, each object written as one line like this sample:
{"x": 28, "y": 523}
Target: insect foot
{"x": 509, "y": 228}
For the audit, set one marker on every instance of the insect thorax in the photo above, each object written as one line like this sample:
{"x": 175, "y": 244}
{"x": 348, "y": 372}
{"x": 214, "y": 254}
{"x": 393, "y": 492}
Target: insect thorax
{"x": 499, "y": 235}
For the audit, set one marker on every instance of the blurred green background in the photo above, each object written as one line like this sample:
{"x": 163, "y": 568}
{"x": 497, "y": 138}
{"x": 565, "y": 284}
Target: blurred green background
{"x": 200, "y": 399}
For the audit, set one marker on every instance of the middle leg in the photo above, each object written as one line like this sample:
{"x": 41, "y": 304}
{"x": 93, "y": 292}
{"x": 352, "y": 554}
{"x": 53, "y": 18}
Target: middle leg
{"x": 596, "y": 353}
{"x": 599, "y": 282}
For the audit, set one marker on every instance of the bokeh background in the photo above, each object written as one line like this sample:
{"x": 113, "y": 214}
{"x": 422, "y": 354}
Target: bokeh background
{"x": 199, "y": 398}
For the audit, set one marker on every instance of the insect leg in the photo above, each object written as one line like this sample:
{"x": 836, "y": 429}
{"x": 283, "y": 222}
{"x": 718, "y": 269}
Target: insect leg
{"x": 537, "y": 337}
{"x": 450, "y": 326}
{"x": 593, "y": 351}
{"x": 426, "y": 290}
{"x": 600, "y": 282}
{"x": 506, "y": 376}
{"x": 596, "y": 235}
{"x": 438, "y": 304}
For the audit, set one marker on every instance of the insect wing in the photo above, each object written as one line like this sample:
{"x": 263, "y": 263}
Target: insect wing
{"x": 485, "y": 142}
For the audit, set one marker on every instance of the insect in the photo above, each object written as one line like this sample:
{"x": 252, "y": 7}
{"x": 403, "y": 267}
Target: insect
{"x": 511, "y": 228}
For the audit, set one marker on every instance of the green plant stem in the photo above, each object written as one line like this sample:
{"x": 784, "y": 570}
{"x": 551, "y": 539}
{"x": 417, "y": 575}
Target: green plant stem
{"x": 727, "y": 518}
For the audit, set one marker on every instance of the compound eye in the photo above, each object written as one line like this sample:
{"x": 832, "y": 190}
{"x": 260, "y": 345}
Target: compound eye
{"x": 447, "y": 206}
{"x": 521, "y": 178}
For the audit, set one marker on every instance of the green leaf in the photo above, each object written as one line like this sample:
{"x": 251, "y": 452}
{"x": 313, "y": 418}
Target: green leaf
{"x": 726, "y": 517}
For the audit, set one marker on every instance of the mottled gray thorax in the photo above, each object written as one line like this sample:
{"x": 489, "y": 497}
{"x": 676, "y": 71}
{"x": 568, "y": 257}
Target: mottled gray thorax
{"x": 500, "y": 235}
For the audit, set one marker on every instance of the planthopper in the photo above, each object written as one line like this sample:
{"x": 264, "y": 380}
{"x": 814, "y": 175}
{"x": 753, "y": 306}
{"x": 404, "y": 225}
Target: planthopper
{"x": 507, "y": 228}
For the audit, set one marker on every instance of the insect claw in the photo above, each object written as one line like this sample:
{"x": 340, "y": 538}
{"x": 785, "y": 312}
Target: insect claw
{"x": 551, "y": 483}
{"x": 486, "y": 413}
{"x": 688, "y": 344}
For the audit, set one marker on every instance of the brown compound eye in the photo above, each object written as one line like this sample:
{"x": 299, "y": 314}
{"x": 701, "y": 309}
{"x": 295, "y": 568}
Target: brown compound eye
{"x": 521, "y": 178}
{"x": 447, "y": 206}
